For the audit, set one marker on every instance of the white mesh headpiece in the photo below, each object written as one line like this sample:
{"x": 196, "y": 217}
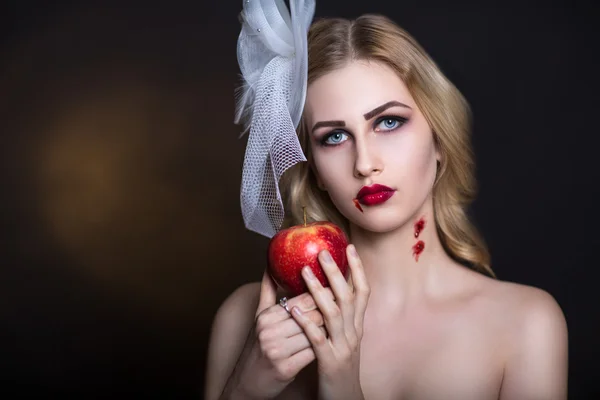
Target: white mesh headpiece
{"x": 273, "y": 58}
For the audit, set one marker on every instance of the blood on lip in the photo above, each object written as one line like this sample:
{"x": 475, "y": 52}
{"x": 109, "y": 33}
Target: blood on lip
{"x": 357, "y": 205}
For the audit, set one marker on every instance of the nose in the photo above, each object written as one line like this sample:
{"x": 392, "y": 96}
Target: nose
{"x": 368, "y": 161}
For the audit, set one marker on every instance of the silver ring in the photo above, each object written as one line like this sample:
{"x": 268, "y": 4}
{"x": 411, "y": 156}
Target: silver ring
{"x": 283, "y": 303}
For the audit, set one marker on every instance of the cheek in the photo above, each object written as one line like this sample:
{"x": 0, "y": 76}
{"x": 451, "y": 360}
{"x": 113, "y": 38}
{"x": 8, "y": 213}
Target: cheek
{"x": 409, "y": 158}
{"x": 335, "y": 167}
{"x": 332, "y": 163}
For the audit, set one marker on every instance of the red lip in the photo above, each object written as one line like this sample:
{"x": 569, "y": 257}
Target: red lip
{"x": 374, "y": 194}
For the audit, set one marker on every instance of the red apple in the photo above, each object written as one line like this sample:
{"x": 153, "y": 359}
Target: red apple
{"x": 293, "y": 248}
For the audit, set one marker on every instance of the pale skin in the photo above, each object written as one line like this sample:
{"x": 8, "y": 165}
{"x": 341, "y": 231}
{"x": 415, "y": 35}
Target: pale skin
{"x": 400, "y": 328}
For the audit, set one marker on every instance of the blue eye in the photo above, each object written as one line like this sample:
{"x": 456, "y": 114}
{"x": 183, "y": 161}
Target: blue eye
{"x": 386, "y": 124}
{"x": 335, "y": 138}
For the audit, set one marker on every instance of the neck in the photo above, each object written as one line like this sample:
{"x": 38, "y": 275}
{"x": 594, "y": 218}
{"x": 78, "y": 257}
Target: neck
{"x": 398, "y": 275}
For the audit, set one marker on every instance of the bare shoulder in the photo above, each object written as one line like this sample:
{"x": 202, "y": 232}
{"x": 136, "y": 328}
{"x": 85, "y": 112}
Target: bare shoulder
{"x": 537, "y": 359}
{"x": 238, "y": 309}
{"x": 231, "y": 326}
{"x": 244, "y": 297}
{"x": 527, "y": 306}
{"x": 530, "y": 318}
{"x": 533, "y": 330}
{"x": 509, "y": 307}
{"x": 537, "y": 314}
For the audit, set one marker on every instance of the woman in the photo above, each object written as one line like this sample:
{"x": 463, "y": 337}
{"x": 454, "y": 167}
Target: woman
{"x": 422, "y": 316}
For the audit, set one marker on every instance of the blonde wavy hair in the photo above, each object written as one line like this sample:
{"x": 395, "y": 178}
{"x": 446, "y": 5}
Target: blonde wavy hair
{"x": 332, "y": 43}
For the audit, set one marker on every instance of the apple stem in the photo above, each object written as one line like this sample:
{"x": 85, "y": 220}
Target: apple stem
{"x": 304, "y": 211}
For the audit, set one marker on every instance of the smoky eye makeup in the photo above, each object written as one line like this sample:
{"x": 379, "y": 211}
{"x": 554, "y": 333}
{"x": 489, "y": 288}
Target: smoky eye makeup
{"x": 389, "y": 123}
{"x": 333, "y": 138}
{"x": 384, "y": 124}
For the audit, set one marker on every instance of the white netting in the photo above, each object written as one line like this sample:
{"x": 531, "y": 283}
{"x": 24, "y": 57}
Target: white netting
{"x": 272, "y": 53}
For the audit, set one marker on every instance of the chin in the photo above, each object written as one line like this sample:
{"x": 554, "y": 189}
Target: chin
{"x": 380, "y": 221}
{"x": 382, "y": 226}
{"x": 387, "y": 217}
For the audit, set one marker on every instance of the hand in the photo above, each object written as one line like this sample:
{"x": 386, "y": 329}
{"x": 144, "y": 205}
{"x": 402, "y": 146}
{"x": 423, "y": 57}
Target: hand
{"x": 338, "y": 356}
{"x": 277, "y": 348}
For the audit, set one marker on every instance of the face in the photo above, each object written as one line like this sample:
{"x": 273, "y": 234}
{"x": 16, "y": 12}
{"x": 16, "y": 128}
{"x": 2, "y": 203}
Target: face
{"x": 365, "y": 129}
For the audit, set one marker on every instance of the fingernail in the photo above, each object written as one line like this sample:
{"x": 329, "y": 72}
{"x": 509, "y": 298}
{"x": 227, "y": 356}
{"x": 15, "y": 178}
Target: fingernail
{"x": 327, "y": 256}
{"x": 297, "y": 311}
{"x": 353, "y": 252}
{"x": 308, "y": 274}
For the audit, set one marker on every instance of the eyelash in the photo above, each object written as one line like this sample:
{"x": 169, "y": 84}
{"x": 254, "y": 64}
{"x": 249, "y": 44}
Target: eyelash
{"x": 400, "y": 120}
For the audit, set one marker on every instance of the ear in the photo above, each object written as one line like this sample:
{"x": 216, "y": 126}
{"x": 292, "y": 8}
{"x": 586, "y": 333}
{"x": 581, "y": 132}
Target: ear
{"x": 438, "y": 158}
{"x": 438, "y": 153}
{"x": 438, "y": 161}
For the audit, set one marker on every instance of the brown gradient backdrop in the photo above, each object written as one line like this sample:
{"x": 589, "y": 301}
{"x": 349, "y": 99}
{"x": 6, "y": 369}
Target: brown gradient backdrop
{"x": 123, "y": 170}
{"x": 121, "y": 166}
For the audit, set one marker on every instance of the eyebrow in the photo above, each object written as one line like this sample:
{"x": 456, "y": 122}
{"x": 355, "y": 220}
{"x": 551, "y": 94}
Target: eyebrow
{"x": 368, "y": 116}
{"x": 382, "y": 108}
{"x": 322, "y": 124}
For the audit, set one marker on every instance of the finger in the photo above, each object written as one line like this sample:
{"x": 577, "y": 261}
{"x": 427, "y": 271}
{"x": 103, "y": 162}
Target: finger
{"x": 299, "y": 341}
{"x": 286, "y": 347}
{"x": 289, "y": 327}
{"x": 362, "y": 291}
{"x": 289, "y": 368}
{"x": 331, "y": 312}
{"x": 268, "y": 293}
{"x": 337, "y": 281}
{"x": 344, "y": 297}
{"x": 305, "y": 301}
{"x": 316, "y": 336}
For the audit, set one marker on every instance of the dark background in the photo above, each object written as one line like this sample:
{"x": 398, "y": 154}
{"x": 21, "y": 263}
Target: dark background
{"x": 120, "y": 168}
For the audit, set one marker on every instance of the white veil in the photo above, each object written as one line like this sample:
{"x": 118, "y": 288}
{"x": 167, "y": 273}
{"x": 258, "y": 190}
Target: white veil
{"x": 273, "y": 59}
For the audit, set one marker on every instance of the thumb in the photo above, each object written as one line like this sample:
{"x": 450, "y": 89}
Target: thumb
{"x": 268, "y": 293}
